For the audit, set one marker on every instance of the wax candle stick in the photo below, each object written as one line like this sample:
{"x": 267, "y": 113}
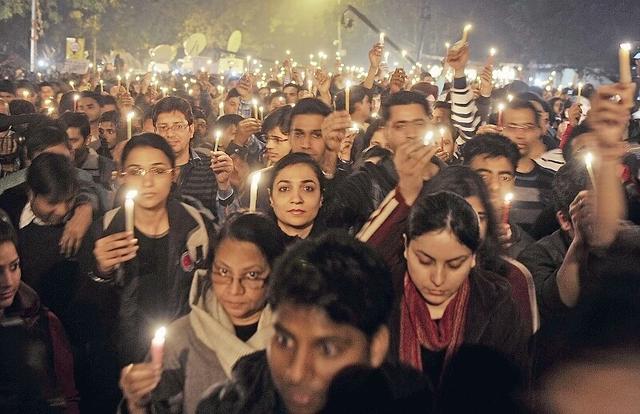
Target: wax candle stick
{"x": 506, "y": 207}
{"x": 625, "y": 63}
{"x": 492, "y": 55}
{"x": 580, "y": 85}
{"x": 101, "y": 86}
{"x": 126, "y": 77}
{"x": 465, "y": 33}
{"x": 129, "y": 129}
{"x": 157, "y": 346}
{"x": 217, "y": 143}
{"x": 73, "y": 85}
{"x": 129, "y": 207}
{"x": 588, "y": 160}
{"x": 500, "y": 111}
{"x": 442, "y": 131}
{"x": 347, "y": 95}
{"x": 255, "y": 180}
{"x": 381, "y": 39}
{"x": 76, "y": 98}
{"x": 254, "y": 101}
{"x": 261, "y": 112}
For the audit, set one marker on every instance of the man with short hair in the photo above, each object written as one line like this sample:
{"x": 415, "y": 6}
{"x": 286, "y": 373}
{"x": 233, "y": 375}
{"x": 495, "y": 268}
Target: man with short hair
{"x": 495, "y": 158}
{"x": 291, "y": 91}
{"x": 199, "y": 177}
{"x": 86, "y": 158}
{"x": 89, "y": 103}
{"x": 7, "y": 90}
{"x": 331, "y": 298}
{"x": 46, "y": 91}
{"x": 108, "y": 127}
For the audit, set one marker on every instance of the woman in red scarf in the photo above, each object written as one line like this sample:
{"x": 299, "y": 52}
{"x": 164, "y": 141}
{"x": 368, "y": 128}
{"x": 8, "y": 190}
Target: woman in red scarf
{"x": 444, "y": 301}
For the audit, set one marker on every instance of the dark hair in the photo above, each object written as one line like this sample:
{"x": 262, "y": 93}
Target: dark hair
{"x": 110, "y": 116}
{"x": 40, "y": 138}
{"x": 21, "y": 107}
{"x": 567, "y": 148}
{"x": 67, "y": 103}
{"x": 340, "y": 275}
{"x": 92, "y": 95}
{"x": 7, "y": 231}
{"x": 356, "y": 94}
{"x": 569, "y": 180}
{"x": 465, "y": 182}
{"x": 7, "y": 86}
{"x": 273, "y": 96}
{"x": 171, "y": 104}
{"x": 150, "y": 140}
{"x": 445, "y": 210}
{"x": 442, "y": 104}
{"x": 227, "y": 120}
{"x": 254, "y": 228}
{"x": 77, "y": 120}
{"x": 291, "y": 84}
{"x": 491, "y": 146}
{"x": 52, "y": 176}
{"x": 233, "y": 93}
{"x": 374, "y": 125}
{"x": 294, "y": 158}
{"x": 404, "y": 98}
{"x": 45, "y": 84}
{"x": 280, "y": 118}
{"x": 522, "y": 104}
{"x": 309, "y": 106}
{"x": 108, "y": 100}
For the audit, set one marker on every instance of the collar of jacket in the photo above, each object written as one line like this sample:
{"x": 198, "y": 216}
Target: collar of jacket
{"x": 26, "y": 305}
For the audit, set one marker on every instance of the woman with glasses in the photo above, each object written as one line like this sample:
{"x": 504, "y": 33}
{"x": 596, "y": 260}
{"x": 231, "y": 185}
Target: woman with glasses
{"x": 228, "y": 320}
{"x": 148, "y": 271}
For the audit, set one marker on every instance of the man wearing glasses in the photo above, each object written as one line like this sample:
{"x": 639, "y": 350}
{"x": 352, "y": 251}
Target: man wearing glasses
{"x": 198, "y": 177}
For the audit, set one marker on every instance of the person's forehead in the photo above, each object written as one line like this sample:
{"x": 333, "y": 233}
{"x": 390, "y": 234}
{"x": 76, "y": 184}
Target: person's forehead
{"x": 311, "y": 323}
{"x": 307, "y": 121}
{"x": 173, "y": 116}
{"x": 488, "y": 162}
{"x": 407, "y": 112}
{"x": 520, "y": 114}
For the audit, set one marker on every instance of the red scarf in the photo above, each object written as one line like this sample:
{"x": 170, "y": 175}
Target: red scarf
{"x": 418, "y": 329}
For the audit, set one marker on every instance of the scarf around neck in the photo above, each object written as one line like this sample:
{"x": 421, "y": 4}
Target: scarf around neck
{"x": 418, "y": 330}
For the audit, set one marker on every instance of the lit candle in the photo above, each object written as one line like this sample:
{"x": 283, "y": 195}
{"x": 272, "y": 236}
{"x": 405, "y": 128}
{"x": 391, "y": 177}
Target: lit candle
{"x": 288, "y": 52}
{"x": 428, "y": 138}
{"x": 508, "y": 198}
{"x": 255, "y": 180}
{"x": 404, "y": 53}
{"x": 588, "y": 160}
{"x": 73, "y": 85}
{"x": 465, "y": 33}
{"x": 129, "y": 206}
{"x": 386, "y": 57}
{"x": 218, "y": 136}
{"x": 248, "y": 63}
{"x": 261, "y": 112}
{"x": 347, "y": 95}
{"x": 101, "y": 86}
{"x": 157, "y": 346}
{"x": 76, "y": 97}
{"x": 25, "y": 94}
{"x": 254, "y": 101}
{"x": 442, "y": 131}
{"x": 129, "y": 118}
{"x": 492, "y": 55}
{"x": 221, "y": 108}
{"x": 625, "y": 63}
{"x": 447, "y": 45}
{"x": 580, "y": 85}
{"x": 509, "y": 98}
{"x": 126, "y": 77}
{"x": 381, "y": 39}
{"x": 500, "y": 110}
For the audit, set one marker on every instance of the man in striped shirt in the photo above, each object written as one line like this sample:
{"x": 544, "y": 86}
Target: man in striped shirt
{"x": 200, "y": 179}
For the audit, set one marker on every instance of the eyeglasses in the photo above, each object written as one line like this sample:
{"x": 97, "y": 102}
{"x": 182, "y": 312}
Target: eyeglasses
{"x": 252, "y": 280}
{"x": 175, "y": 128}
{"x": 141, "y": 172}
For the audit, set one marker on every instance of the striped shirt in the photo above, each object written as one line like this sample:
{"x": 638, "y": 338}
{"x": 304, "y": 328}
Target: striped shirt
{"x": 531, "y": 195}
{"x": 464, "y": 112}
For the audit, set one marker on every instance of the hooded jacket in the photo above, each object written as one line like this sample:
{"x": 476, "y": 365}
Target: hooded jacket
{"x": 201, "y": 349}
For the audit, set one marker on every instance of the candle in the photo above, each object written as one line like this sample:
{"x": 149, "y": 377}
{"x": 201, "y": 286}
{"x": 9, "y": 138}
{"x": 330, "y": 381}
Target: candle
{"x": 588, "y": 160}
{"x": 218, "y": 136}
{"x": 129, "y": 118}
{"x": 288, "y": 52}
{"x": 386, "y": 57}
{"x": 625, "y": 63}
{"x": 465, "y": 33}
{"x": 500, "y": 110}
{"x": 157, "y": 346}
{"x": 126, "y": 77}
{"x": 580, "y": 85}
{"x": 442, "y": 131}
{"x": 508, "y": 198}
{"x": 76, "y": 97}
{"x": 73, "y": 85}
{"x": 381, "y": 39}
{"x": 492, "y": 55}
{"x": 221, "y": 108}
{"x": 25, "y": 94}
{"x": 254, "y": 101}
{"x": 255, "y": 180}
{"x": 129, "y": 206}
{"x": 101, "y": 86}
{"x": 447, "y": 45}
{"x": 509, "y": 98}
{"x": 347, "y": 95}
{"x": 310, "y": 84}
{"x": 261, "y": 112}
{"x": 404, "y": 53}
{"x": 428, "y": 138}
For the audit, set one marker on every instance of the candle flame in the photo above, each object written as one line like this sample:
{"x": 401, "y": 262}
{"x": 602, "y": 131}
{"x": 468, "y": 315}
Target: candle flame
{"x": 255, "y": 178}
{"x": 625, "y": 46}
{"x": 131, "y": 194}
{"x": 500, "y": 107}
{"x": 468, "y": 27}
{"x": 588, "y": 159}
{"x": 509, "y": 97}
{"x": 447, "y": 45}
{"x": 428, "y": 138}
{"x": 348, "y": 84}
{"x": 130, "y": 115}
{"x": 492, "y": 51}
{"x": 161, "y": 333}
{"x": 76, "y": 97}
{"x": 508, "y": 197}
{"x": 218, "y": 134}
{"x": 442, "y": 131}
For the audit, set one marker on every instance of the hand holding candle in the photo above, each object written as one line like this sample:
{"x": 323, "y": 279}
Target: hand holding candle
{"x": 157, "y": 346}
{"x": 255, "y": 180}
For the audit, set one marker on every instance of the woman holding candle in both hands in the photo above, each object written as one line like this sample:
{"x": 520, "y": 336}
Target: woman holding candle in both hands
{"x": 151, "y": 267}
{"x": 228, "y": 320}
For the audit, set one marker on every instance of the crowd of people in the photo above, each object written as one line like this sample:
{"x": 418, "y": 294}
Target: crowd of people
{"x": 317, "y": 243}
